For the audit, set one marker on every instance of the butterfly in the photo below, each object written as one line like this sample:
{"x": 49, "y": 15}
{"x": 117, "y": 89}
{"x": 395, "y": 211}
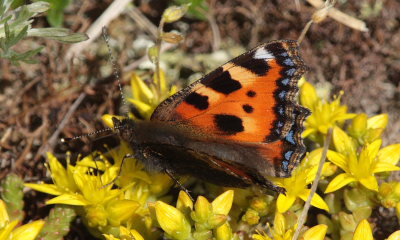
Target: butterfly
{"x": 236, "y": 126}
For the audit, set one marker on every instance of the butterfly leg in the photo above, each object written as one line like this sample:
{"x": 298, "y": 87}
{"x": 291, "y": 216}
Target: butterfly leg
{"x": 171, "y": 175}
{"x": 153, "y": 161}
{"x": 120, "y": 169}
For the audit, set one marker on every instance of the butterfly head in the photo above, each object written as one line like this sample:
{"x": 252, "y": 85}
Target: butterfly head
{"x": 125, "y": 128}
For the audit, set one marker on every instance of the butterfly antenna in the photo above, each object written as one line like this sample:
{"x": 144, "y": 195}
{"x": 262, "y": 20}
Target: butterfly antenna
{"x": 115, "y": 67}
{"x": 87, "y": 135}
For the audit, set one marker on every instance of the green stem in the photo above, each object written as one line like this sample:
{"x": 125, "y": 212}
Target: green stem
{"x": 157, "y": 59}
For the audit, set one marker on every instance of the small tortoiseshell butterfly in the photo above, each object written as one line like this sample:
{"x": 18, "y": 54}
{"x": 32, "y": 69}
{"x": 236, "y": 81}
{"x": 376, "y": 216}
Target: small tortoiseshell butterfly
{"x": 235, "y": 127}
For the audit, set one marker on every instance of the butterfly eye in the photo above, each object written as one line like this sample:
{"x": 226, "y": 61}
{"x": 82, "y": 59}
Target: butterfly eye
{"x": 116, "y": 122}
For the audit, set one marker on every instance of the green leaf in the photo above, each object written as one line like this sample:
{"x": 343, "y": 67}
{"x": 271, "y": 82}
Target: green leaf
{"x": 197, "y": 8}
{"x": 39, "y": 7}
{"x": 59, "y": 34}
{"x": 55, "y": 15}
{"x": 15, "y": 39}
{"x": 4, "y": 6}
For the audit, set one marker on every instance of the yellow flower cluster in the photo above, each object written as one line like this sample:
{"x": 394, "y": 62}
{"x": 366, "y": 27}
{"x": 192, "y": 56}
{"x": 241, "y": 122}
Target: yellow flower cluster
{"x": 10, "y": 231}
{"x": 284, "y": 230}
{"x": 106, "y": 201}
{"x": 201, "y": 220}
{"x": 130, "y": 203}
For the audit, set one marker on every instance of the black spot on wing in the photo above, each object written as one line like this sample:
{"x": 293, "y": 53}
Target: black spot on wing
{"x": 198, "y": 101}
{"x": 221, "y": 81}
{"x": 248, "y": 108}
{"x": 257, "y": 66}
{"x": 228, "y": 124}
{"x": 251, "y": 93}
{"x": 276, "y": 49}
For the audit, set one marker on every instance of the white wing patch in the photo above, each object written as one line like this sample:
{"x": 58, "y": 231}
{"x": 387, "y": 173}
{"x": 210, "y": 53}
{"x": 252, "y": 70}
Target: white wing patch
{"x": 263, "y": 53}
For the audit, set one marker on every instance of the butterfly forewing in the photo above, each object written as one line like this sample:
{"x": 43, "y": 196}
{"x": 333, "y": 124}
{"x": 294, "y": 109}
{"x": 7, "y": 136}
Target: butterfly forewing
{"x": 241, "y": 120}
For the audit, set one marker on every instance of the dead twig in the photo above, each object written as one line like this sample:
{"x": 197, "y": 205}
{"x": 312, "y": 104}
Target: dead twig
{"x": 142, "y": 21}
{"x": 341, "y": 17}
{"x": 314, "y": 186}
{"x": 112, "y": 12}
{"x": 54, "y": 138}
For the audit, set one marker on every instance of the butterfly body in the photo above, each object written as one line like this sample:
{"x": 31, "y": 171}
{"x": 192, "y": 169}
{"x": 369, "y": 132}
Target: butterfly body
{"x": 236, "y": 126}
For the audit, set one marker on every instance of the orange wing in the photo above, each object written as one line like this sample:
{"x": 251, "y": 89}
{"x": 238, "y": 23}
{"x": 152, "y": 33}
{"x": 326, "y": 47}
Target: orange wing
{"x": 249, "y": 99}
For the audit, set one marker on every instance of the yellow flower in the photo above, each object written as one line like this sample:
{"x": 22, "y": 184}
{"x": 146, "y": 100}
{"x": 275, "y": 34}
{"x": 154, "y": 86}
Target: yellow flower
{"x": 324, "y": 114}
{"x": 367, "y": 130}
{"x": 145, "y": 97}
{"x": 297, "y": 187}
{"x": 62, "y": 178}
{"x": 282, "y": 231}
{"x": 102, "y": 205}
{"x": 8, "y": 230}
{"x": 208, "y": 218}
{"x": 358, "y": 167}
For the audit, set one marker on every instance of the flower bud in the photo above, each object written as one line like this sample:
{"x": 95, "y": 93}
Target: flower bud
{"x": 184, "y": 202}
{"x": 224, "y": 232}
{"x": 153, "y": 53}
{"x": 322, "y": 219}
{"x": 174, "y": 13}
{"x": 223, "y": 203}
{"x": 172, "y": 221}
{"x": 217, "y": 220}
{"x": 347, "y": 222}
{"x": 96, "y": 215}
{"x": 171, "y": 37}
{"x": 251, "y": 217}
{"x": 203, "y": 210}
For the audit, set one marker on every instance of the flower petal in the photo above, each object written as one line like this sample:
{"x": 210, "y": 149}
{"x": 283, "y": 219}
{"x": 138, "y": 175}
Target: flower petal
{"x": 284, "y": 202}
{"x": 378, "y": 121}
{"x": 308, "y": 95}
{"x": 363, "y": 231}
{"x": 44, "y": 187}
{"x": 141, "y": 106}
{"x": 316, "y": 201}
{"x": 370, "y": 183}
{"x": 338, "y": 159}
{"x": 140, "y": 90}
{"x": 339, "y": 181}
{"x": 385, "y": 167}
{"x": 308, "y": 131}
{"x": 316, "y": 233}
{"x": 4, "y": 218}
{"x": 28, "y": 231}
{"x": 69, "y": 199}
{"x": 394, "y": 236}
{"x": 374, "y": 147}
{"x": 5, "y": 231}
{"x": 390, "y": 154}
{"x": 342, "y": 141}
